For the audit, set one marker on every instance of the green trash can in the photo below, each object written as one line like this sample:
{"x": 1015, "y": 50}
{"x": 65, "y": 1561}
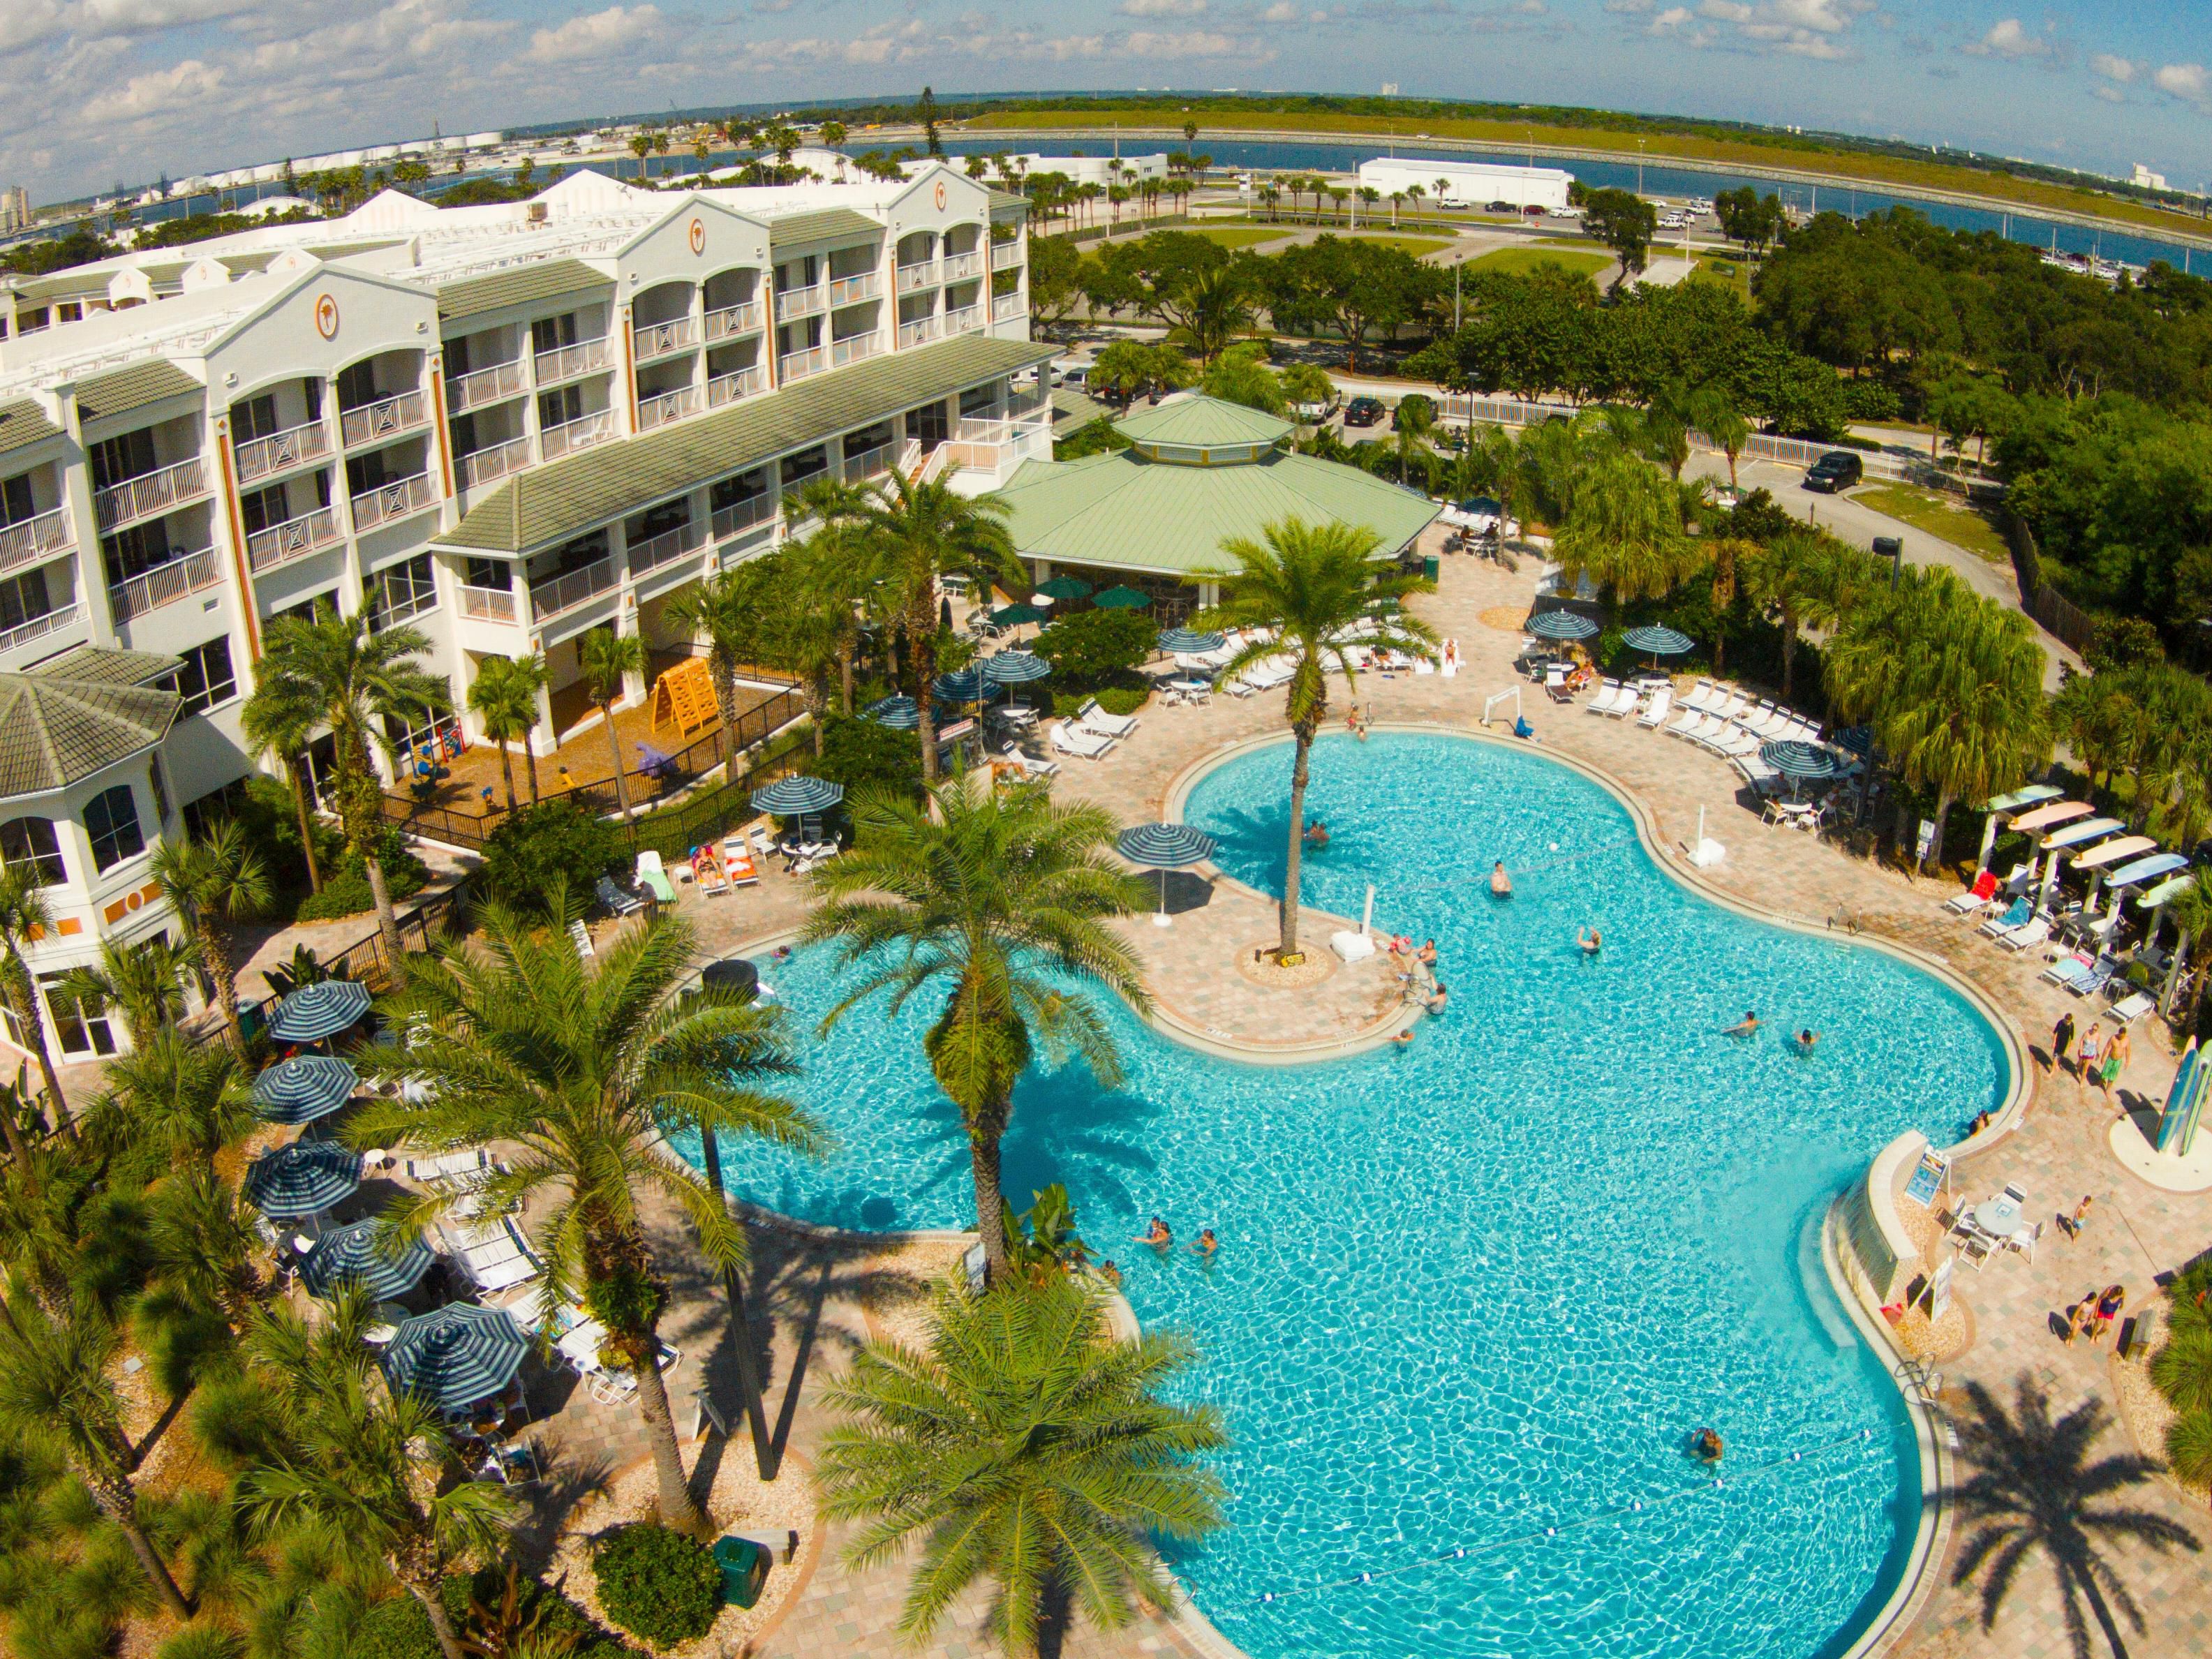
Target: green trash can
{"x": 744, "y": 1567}
{"x": 1431, "y": 567}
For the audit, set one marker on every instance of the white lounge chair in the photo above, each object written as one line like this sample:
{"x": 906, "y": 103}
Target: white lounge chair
{"x": 1757, "y": 773}
{"x": 1072, "y": 739}
{"x": 1611, "y": 692}
{"x": 582, "y": 936}
{"x": 493, "y": 1255}
{"x": 1268, "y": 675}
{"x": 2132, "y": 1008}
{"x": 1698, "y": 696}
{"x": 2033, "y": 931}
{"x": 1735, "y": 705}
{"x": 1739, "y": 743}
{"x": 1029, "y": 765}
{"x": 1695, "y": 728}
{"x": 1686, "y": 722}
{"x": 1091, "y": 715}
{"x": 2017, "y": 913}
{"x": 613, "y": 898}
{"x": 1655, "y": 714}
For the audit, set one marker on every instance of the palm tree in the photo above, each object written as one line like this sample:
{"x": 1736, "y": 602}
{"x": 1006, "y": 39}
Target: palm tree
{"x": 580, "y": 1069}
{"x": 608, "y": 660}
{"x": 146, "y": 981}
{"x": 720, "y": 609}
{"x": 1713, "y": 410}
{"x": 505, "y": 698}
{"x": 215, "y": 879}
{"x": 1789, "y": 578}
{"x": 341, "y": 673}
{"x": 1306, "y": 587}
{"x": 170, "y": 1105}
{"x": 1730, "y": 554}
{"x": 1213, "y": 308}
{"x": 284, "y": 730}
{"x": 207, "y": 1244}
{"x": 25, "y": 916}
{"x": 985, "y": 894}
{"x": 2191, "y": 912}
{"x": 1022, "y": 1445}
{"x": 56, "y": 1394}
{"x": 1625, "y": 532}
{"x": 2034, "y": 1490}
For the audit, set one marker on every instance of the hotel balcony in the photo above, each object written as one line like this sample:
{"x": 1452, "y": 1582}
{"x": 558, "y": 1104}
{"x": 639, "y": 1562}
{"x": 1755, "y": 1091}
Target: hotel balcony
{"x": 921, "y": 332}
{"x": 799, "y": 302}
{"x": 855, "y": 348}
{"x": 1005, "y": 256}
{"x": 567, "y": 362}
{"x": 566, "y": 439}
{"x": 1008, "y": 308}
{"x": 388, "y": 418}
{"x": 389, "y": 502}
{"x": 963, "y": 321}
{"x": 664, "y": 339}
{"x": 743, "y": 519}
{"x": 668, "y": 545}
{"x": 549, "y": 597}
{"x": 33, "y": 539}
{"x": 733, "y": 320}
{"x": 658, "y": 409}
{"x": 150, "y": 494}
{"x": 741, "y": 383}
{"x": 164, "y": 585}
{"x": 280, "y": 452}
{"x": 921, "y": 273}
{"x": 485, "y": 385}
{"x": 494, "y": 604}
{"x": 281, "y": 544}
{"x": 958, "y": 265}
{"x": 851, "y": 290}
{"x": 38, "y": 627}
{"x": 797, "y": 365}
{"x": 482, "y": 467}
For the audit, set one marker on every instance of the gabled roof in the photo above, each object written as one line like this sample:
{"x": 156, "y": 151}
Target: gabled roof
{"x": 120, "y": 390}
{"x": 520, "y": 286}
{"x": 820, "y": 227}
{"x": 1193, "y": 420}
{"x": 24, "y": 422}
{"x": 57, "y": 730}
{"x": 1003, "y": 199}
{"x": 550, "y": 504}
{"x": 104, "y": 665}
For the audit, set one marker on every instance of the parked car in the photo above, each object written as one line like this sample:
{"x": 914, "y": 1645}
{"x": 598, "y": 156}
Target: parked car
{"x": 1363, "y": 412}
{"x": 1836, "y": 471}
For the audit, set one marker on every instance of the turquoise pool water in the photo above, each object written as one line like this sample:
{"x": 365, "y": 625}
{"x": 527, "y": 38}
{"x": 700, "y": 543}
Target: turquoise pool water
{"x": 1474, "y": 1293}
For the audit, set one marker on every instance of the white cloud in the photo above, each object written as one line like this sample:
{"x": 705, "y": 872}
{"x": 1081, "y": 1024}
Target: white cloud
{"x": 2009, "y": 38}
{"x": 601, "y": 34}
{"x": 2188, "y": 82}
{"x": 1161, "y": 8}
{"x": 180, "y": 89}
{"x": 1673, "y": 18}
{"x": 1801, "y": 28}
{"x": 1189, "y": 42}
{"x": 2121, "y": 70}
{"x": 1631, "y": 8}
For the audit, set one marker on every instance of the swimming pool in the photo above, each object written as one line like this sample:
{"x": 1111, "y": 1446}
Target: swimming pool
{"x": 1474, "y": 1293}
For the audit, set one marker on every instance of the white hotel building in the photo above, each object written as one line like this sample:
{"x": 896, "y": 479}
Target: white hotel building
{"x": 506, "y": 425}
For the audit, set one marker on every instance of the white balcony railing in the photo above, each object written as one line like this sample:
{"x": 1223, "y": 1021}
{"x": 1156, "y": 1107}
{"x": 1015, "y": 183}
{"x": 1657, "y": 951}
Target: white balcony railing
{"x": 582, "y": 433}
{"x": 959, "y": 265}
{"x": 1005, "y": 256}
{"x": 487, "y": 604}
{"x": 1006, "y": 308}
{"x": 740, "y": 383}
{"x": 658, "y": 339}
{"x": 732, "y": 320}
{"x": 921, "y": 332}
{"x": 565, "y": 592}
{"x": 294, "y": 539}
{"x": 388, "y": 418}
{"x": 963, "y": 321}
{"x": 657, "y": 550}
{"x": 921, "y": 273}
{"x": 740, "y": 517}
{"x": 485, "y": 385}
{"x": 567, "y": 362}
{"x": 851, "y": 290}
{"x": 480, "y": 467}
{"x": 853, "y": 348}
{"x": 399, "y": 499}
{"x": 798, "y": 302}
{"x": 164, "y": 585}
{"x": 797, "y": 365}
{"x": 280, "y": 452}
{"x": 870, "y": 464}
{"x": 38, "y": 627}
{"x": 150, "y": 493}
{"x": 658, "y": 409}
{"x": 31, "y": 540}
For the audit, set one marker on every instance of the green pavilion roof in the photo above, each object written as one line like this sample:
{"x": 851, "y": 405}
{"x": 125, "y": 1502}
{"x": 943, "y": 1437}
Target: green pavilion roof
{"x": 1193, "y": 420}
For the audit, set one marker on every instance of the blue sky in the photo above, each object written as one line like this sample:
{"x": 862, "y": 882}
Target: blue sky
{"x": 92, "y": 91}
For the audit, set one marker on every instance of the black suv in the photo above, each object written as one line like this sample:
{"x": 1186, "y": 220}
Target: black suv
{"x": 1363, "y": 412}
{"x": 1838, "y": 470}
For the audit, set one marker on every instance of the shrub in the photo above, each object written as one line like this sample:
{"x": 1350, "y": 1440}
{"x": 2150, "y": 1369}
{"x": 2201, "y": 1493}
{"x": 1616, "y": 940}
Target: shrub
{"x": 540, "y": 848}
{"x": 659, "y": 1585}
{"x": 1092, "y": 645}
{"x": 201, "y": 1642}
{"x": 346, "y": 891}
{"x": 1870, "y": 400}
{"x": 862, "y": 755}
{"x": 1123, "y": 699}
{"x": 1097, "y": 437}
{"x": 398, "y": 1628}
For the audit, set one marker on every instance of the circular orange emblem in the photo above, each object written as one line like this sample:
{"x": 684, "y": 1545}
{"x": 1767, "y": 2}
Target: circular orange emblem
{"x": 327, "y": 317}
{"x": 698, "y": 236}
{"x": 940, "y": 195}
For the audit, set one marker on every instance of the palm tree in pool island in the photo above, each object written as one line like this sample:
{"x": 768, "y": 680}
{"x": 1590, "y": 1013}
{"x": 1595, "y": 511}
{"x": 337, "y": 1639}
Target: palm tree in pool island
{"x": 1001, "y": 900}
{"x": 1306, "y": 587}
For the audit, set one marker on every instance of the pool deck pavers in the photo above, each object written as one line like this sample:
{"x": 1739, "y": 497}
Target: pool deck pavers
{"x": 815, "y": 1292}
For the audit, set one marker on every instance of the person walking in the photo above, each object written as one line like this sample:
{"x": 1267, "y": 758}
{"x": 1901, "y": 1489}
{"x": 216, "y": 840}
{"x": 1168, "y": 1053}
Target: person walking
{"x": 2092, "y": 1052}
{"x": 2116, "y": 1054}
{"x": 2062, "y": 1039}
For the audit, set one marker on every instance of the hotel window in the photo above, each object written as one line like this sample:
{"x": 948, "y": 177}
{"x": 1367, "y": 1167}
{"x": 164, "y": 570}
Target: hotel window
{"x": 552, "y": 333}
{"x": 158, "y": 781}
{"x": 81, "y": 1022}
{"x": 15, "y": 502}
{"x": 253, "y": 417}
{"x": 405, "y": 590}
{"x": 30, "y": 843}
{"x": 111, "y": 821}
{"x": 559, "y": 406}
{"x": 131, "y": 456}
{"x": 137, "y": 549}
{"x": 24, "y": 598}
{"x": 207, "y": 677}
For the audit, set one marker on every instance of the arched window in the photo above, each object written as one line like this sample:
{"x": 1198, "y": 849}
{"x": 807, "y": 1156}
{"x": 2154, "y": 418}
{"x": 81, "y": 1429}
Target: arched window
{"x": 31, "y": 842}
{"x": 111, "y": 819}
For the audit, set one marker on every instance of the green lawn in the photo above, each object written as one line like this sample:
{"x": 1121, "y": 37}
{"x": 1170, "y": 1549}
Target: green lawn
{"x": 1234, "y": 236}
{"x": 1521, "y": 261}
{"x": 1416, "y": 246}
{"x": 1727, "y": 271}
{"x": 1939, "y": 515}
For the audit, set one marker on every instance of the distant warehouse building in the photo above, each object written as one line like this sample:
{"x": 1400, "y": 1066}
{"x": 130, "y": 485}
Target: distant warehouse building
{"x": 1469, "y": 184}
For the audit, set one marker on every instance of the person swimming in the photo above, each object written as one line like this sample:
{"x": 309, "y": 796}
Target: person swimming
{"x": 1501, "y": 885}
{"x": 1591, "y": 941}
{"x": 1316, "y": 834}
{"x": 1707, "y": 1446}
{"x": 1744, "y": 1027}
{"x": 1157, "y": 1234}
{"x": 1207, "y": 1243}
{"x": 1806, "y": 1039}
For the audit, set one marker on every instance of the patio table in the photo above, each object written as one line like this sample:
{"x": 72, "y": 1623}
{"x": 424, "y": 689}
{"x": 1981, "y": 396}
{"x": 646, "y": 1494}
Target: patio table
{"x": 1998, "y": 1217}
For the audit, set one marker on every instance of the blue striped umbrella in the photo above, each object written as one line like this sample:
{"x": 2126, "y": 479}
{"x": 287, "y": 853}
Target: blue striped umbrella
{"x": 319, "y": 1011}
{"x": 965, "y": 686}
{"x": 1656, "y": 642}
{"x": 900, "y": 713}
{"x": 360, "y": 1253}
{"x": 304, "y": 1088}
{"x": 304, "y": 1178}
{"x": 1799, "y": 760}
{"x": 1561, "y": 625}
{"x": 1165, "y": 846}
{"x": 1187, "y": 642}
{"x": 795, "y": 796}
{"x": 1013, "y": 667}
{"x": 1859, "y": 740}
{"x": 457, "y": 1356}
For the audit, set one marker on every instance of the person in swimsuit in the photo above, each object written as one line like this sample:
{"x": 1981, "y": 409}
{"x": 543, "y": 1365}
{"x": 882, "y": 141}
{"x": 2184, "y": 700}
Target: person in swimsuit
{"x": 1591, "y": 941}
{"x": 1157, "y": 1234}
{"x": 2093, "y": 1050}
{"x": 1316, "y": 834}
{"x": 2079, "y": 1318}
{"x": 1426, "y": 955}
{"x": 2116, "y": 1061}
{"x": 1744, "y": 1027}
{"x": 1207, "y": 1243}
{"x": 2108, "y": 1309}
{"x": 2072, "y": 1224}
{"x": 1806, "y": 1039}
{"x": 1501, "y": 885}
{"x": 1707, "y": 1446}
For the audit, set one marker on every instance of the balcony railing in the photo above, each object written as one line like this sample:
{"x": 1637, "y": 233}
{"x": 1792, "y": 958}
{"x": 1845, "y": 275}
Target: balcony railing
{"x": 164, "y": 585}
{"x": 388, "y": 418}
{"x": 657, "y": 550}
{"x": 35, "y": 539}
{"x": 958, "y": 265}
{"x": 853, "y": 348}
{"x": 963, "y": 321}
{"x": 294, "y": 539}
{"x": 150, "y": 493}
{"x": 851, "y": 290}
{"x": 658, "y": 339}
{"x": 1006, "y": 308}
{"x": 559, "y": 594}
{"x": 487, "y": 604}
{"x": 485, "y": 385}
{"x": 582, "y": 433}
{"x": 482, "y": 467}
{"x": 870, "y": 463}
{"x": 921, "y": 273}
{"x": 732, "y": 320}
{"x": 658, "y": 409}
{"x": 739, "y": 517}
{"x": 24, "y": 632}
{"x": 740, "y": 383}
{"x": 921, "y": 332}
{"x": 798, "y": 302}
{"x": 567, "y": 362}
{"x": 280, "y": 452}
{"x": 388, "y": 502}
{"x": 797, "y": 365}
{"x": 1005, "y": 256}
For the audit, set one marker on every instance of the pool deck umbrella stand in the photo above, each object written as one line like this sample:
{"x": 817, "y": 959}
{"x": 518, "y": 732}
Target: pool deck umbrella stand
{"x": 366, "y": 1253}
{"x": 456, "y": 1356}
{"x": 1656, "y": 642}
{"x": 316, "y": 1012}
{"x": 303, "y": 1088}
{"x": 303, "y": 1179}
{"x": 1165, "y": 846}
{"x": 1560, "y": 625}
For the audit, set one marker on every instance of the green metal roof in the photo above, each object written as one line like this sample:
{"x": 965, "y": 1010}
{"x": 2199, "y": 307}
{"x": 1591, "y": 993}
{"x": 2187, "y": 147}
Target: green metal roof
{"x": 552, "y": 503}
{"x": 55, "y": 731}
{"x": 1003, "y": 199}
{"x": 825, "y": 226}
{"x": 519, "y": 287}
{"x": 24, "y": 422}
{"x": 1121, "y": 512}
{"x": 123, "y": 390}
{"x": 1195, "y": 422}
{"x": 106, "y": 666}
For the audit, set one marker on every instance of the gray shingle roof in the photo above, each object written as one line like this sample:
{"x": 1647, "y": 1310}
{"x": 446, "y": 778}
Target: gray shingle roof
{"x": 122, "y": 389}
{"x": 24, "y": 422}
{"x": 520, "y": 286}
{"x": 104, "y": 665}
{"x": 551, "y": 503}
{"x": 56, "y": 731}
{"x": 828, "y": 224}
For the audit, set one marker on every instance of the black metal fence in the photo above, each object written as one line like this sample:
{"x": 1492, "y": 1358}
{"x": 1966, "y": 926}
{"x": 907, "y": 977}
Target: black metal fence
{"x": 439, "y": 917}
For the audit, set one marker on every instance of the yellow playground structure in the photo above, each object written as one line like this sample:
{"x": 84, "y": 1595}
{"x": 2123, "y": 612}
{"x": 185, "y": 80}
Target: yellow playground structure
{"x": 683, "y": 697}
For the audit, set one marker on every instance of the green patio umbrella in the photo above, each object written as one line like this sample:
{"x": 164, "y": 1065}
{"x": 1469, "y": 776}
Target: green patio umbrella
{"x": 1016, "y": 616}
{"x": 1065, "y": 588}
{"x": 1122, "y": 598}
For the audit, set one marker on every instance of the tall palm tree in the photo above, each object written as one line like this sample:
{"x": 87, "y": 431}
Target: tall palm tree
{"x": 170, "y": 1105}
{"x": 2191, "y": 912}
{"x": 838, "y": 574}
{"x": 146, "y": 981}
{"x": 284, "y": 729}
{"x": 207, "y": 1244}
{"x": 505, "y": 698}
{"x": 56, "y": 1394}
{"x": 608, "y": 660}
{"x": 720, "y": 609}
{"x": 1625, "y": 532}
{"x": 215, "y": 879}
{"x": 1209, "y": 311}
{"x": 1306, "y": 587}
{"x": 2034, "y": 1490}
{"x": 341, "y": 673}
{"x": 1713, "y": 410}
{"x": 1793, "y": 577}
{"x": 581, "y": 1068}
{"x": 24, "y": 915}
{"x": 983, "y": 895}
{"x": 1026, "y": 1446}
{"x": 1730, "y": 554}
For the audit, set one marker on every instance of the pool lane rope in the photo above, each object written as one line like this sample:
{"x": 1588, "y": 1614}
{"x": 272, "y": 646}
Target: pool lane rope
{"x": 1618, "y": 1516}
